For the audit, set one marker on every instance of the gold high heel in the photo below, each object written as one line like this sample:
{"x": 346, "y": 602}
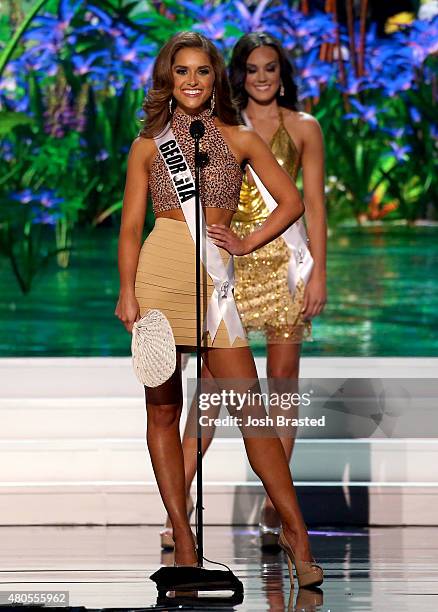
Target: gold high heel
{"x": 309, "y": 573}
{"x": 166, "y": 534}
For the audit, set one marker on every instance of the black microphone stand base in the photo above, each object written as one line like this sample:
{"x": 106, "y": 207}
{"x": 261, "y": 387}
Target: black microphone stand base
{"x": 186, "y": 581}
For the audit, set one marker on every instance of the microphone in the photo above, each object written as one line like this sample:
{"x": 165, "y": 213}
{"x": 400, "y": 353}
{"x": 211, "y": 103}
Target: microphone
{"x": 204, "y": 159}
{"x": 197, "y": 129}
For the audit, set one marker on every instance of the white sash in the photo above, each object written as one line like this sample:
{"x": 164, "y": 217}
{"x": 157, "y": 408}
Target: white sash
{"x": 222, "y": 304}
{"x": 301, "y": 261}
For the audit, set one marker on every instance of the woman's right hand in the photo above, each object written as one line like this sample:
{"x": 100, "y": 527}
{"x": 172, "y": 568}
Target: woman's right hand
{"x": 127, "y": 310}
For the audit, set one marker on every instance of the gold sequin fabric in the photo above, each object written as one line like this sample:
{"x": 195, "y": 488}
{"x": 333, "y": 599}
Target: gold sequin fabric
{"x": 261, "y": 288}
{"x": 216, "y": 192}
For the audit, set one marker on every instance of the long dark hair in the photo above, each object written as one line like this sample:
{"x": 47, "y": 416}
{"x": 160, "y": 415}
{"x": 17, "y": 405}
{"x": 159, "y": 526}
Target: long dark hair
{"x": 156, "y": 103}
{"x": 241, "y": 52}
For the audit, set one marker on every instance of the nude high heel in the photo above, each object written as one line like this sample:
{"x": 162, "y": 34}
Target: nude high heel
{"x": 268, "y": 533}
{"x": 269, "y": 536}
{"x": 195, "y": 564}
{"x": 166, "y": 534}
{"x": 308, "y": 572}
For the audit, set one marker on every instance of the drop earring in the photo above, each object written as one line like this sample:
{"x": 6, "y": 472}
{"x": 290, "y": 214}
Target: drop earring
{"x": 170, "y": 106}
{"x": 213, "y": 101}
{"x": 281, "y": 89}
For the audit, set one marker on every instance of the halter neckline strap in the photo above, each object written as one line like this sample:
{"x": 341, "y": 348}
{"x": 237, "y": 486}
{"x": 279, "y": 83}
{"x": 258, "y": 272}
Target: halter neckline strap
{"x": 180, "y": 118}
{"x": 281, "y": 125}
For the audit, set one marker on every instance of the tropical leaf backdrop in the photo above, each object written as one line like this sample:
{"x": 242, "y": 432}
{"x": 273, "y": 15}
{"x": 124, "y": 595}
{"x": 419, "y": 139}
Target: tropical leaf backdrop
{"x": 73, "y": 75}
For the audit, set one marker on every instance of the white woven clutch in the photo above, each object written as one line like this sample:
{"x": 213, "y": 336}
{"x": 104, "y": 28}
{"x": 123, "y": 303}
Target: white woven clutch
{"x": 153, "y": 349}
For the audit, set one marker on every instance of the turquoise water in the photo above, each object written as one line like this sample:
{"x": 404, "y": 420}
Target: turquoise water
{"x": 383, "y": 299}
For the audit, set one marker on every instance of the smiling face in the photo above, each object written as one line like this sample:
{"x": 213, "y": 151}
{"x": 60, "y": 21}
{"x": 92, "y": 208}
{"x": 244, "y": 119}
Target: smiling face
{"x": 262, "y": 74}
{"x": 193, "y": 79}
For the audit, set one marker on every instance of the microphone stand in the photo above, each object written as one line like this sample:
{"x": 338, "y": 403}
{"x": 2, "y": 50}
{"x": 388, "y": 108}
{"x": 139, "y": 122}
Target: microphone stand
{"x": 185, "y": 578}
{"x": 197, "y": 133}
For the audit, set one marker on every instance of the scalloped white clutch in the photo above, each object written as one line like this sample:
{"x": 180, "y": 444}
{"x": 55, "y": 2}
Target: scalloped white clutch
{"x": 153, "y": 349}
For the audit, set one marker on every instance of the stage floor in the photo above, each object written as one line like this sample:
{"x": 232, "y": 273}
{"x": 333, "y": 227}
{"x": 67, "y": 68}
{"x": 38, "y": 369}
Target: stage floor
{"x": 365, "y": 569}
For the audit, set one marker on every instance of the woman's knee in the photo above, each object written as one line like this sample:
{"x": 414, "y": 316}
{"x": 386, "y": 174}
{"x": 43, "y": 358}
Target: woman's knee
{"x": 283, "y": 361}
{"x": 163, "y": 416}
{"x": 289, "y": 370}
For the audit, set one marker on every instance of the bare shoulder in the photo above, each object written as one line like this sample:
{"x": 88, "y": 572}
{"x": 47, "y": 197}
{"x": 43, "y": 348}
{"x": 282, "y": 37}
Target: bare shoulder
{"x": 236, "y": 132}
{"x": 247, "y": 137}
{"x": 304, "y": 124}
{"x": 142, "y": 151}
{"x": 242, "y": 138}
{"x": 309, "y": 123}
{"x": 143, "y": 147}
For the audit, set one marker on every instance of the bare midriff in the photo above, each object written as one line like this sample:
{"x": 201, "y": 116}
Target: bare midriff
{"x": 217, "y": 216}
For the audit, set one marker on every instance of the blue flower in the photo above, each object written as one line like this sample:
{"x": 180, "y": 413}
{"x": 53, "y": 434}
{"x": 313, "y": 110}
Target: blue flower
{"x": 368, "y": 114}
{"x": 24, "y": 196}
{"x": 45, "y": 198}
{"x": 84, "y": 65}
{"x": 415, "y": 114}
{"x": 211, "y": 19}
{"x": 251, "y": 21}
{"x": 398, "y": 151}
{"x": 102, "y": 155}
{"x": 398, "y": 132}
{"x": 7, "y": 150}
{"x": 45, "y": 218}
{"x": 48, "y": 199}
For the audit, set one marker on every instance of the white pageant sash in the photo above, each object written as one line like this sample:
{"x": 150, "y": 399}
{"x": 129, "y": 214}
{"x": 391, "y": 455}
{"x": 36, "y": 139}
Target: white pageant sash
{"x": 222, "y": 304}
{"x": 295, "y": 237}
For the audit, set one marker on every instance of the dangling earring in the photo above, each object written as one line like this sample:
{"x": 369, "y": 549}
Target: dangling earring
{"x": 170, "y": 106}
{"x": 281, "y": 89}
{"x": 213, "y": 101}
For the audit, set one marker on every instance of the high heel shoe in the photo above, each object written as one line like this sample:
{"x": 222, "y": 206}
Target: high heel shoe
{"x": 196, "y": 563}
{"x": 166, "y": 534}
{"x": 308, "y": 572}
{"x": 268, "y": 534}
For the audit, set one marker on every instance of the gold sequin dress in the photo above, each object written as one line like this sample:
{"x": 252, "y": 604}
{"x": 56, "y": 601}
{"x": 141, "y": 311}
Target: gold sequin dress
{"x": 261, "y": 289}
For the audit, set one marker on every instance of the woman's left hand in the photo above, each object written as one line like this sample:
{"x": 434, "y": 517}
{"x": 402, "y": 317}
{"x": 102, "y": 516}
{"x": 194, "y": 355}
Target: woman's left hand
{"x": 315, "y": 297}
{"x": 224, "y": 237}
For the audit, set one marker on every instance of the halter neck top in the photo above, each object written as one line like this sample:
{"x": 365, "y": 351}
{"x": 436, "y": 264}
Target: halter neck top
{"x": 251, "y": 205}
{"x": 221, "y": 178}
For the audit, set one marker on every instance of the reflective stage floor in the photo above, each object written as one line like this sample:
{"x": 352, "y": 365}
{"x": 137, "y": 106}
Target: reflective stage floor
{"x": 382, "y": 569}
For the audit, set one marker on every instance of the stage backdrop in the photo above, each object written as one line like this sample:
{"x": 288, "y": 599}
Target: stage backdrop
{"x": 72, "y": 78}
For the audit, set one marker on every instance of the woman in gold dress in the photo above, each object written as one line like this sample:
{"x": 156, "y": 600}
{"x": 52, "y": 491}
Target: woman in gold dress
{"x": 264, "y": 91}
{"x": 263, "y": 87}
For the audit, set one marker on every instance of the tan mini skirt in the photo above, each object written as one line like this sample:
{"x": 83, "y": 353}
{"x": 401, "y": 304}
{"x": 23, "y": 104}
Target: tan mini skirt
{"x": 166, "y": 280}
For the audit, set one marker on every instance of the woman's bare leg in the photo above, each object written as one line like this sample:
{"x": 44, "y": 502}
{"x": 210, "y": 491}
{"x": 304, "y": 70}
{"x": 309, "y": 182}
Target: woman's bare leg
{"x": 189, "y": 443}
{"x": 283, "y": 362}
{"x": 282, "y": 366}
{"x": 265, "y": 454}
{"x": 163, "y": 405}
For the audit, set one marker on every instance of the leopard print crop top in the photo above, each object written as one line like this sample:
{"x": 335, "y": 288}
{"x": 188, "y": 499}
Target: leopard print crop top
{"x": 221, "y": 178}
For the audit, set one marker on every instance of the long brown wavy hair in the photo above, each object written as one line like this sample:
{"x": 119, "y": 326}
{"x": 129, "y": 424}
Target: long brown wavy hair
{"x": 156, "y": 103}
